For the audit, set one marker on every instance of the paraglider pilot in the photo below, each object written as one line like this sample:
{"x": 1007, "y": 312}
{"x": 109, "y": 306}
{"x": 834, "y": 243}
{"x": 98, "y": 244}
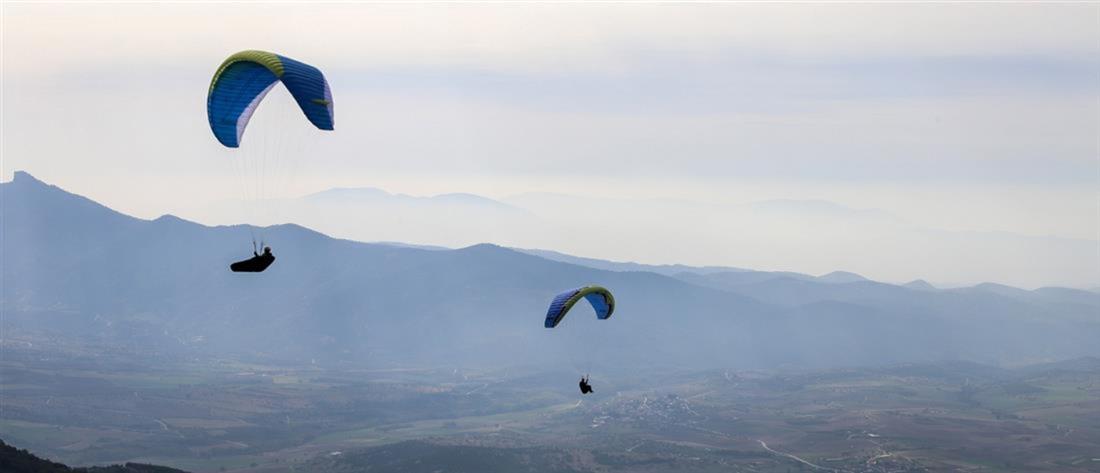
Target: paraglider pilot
{"x": 585, "y": 387}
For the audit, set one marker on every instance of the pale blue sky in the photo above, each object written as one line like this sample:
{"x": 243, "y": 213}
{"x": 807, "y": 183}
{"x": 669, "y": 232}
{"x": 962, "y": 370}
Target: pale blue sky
{"x": 975, "y": 119}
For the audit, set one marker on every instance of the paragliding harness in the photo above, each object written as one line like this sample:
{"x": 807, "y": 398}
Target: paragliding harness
{"x": 585, "y": 387}
{"x": 257, "y": 263}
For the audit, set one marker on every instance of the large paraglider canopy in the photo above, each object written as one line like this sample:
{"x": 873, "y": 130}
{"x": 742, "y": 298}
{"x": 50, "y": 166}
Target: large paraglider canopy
{"x": 243, "y": 80}
{"x": 600, "y": 298}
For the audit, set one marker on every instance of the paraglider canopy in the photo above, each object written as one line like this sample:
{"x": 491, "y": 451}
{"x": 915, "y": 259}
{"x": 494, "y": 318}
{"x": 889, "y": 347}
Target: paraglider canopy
{"x": 242, "y": 81}
{"x": 601, "y": 299}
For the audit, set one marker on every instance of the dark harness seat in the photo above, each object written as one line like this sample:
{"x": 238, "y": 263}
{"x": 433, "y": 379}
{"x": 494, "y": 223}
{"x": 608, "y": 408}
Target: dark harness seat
{"x": 255, "y": 264}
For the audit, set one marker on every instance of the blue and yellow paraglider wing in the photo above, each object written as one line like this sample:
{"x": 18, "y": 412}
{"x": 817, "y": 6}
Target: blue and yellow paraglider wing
{"x": 601, "y": 299}
{"x": 243, "y": 80}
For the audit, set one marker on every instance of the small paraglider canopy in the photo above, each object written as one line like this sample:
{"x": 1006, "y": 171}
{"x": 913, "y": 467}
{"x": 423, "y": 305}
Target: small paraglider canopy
{"x": 601, "y": 299}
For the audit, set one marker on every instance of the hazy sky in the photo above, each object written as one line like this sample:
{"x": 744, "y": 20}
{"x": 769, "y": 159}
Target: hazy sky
{"x": 979, "y": 121}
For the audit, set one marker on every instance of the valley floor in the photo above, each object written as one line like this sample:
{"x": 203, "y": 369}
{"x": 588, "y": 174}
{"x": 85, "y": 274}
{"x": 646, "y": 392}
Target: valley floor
{"x": 233, "y": 415}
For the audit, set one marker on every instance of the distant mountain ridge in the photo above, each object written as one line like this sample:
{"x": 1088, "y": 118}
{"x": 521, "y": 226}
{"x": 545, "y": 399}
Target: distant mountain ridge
{"x": 690, "y": 271}
{"x": 372, "y": 214}
{"x": 757, "y": 234}
{"x": 841, "y": 277}
{"x": 920, "y": 285}
{"x": 350, "y": 195}
{"x": 668, "y": 269}
{"x": 818, "y": 207}
{"x": 76, "y": 269}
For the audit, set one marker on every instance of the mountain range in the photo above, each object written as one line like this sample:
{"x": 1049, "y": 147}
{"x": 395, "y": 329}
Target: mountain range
{"x": 75, "y": 271}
